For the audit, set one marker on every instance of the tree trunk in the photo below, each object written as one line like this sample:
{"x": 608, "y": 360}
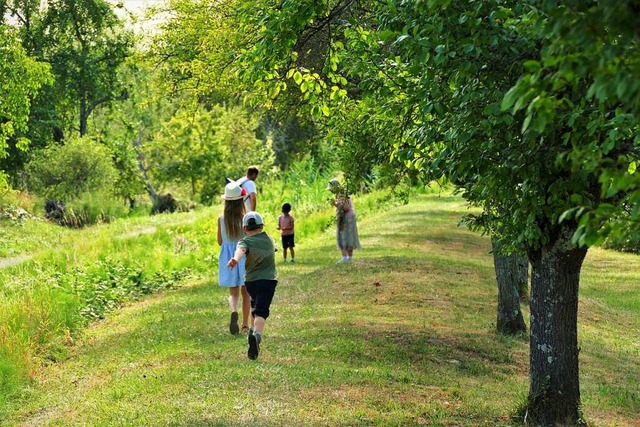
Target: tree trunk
{"x": 137, "y": 144}
{"x": 521, "y": 275}
{"x": 554, "y": 393}
{"x": 508, "y": 275}
{"x": 84, "y": 117}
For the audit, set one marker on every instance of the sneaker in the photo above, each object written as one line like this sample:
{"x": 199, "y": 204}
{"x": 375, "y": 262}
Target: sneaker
{"x": 293, "y": 260}
{"x": 285, "y": 260}
{"x": 254, "y": 347}
{"x": 233, "y": 323}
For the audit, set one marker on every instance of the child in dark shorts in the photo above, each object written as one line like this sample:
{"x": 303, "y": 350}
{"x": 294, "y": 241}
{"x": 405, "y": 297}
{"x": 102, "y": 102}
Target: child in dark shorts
{"x": 286, "y": 227}
{"x": 260, "y": 277}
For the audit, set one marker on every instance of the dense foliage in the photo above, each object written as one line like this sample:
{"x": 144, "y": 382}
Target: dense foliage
{"x": 21, "y": 77}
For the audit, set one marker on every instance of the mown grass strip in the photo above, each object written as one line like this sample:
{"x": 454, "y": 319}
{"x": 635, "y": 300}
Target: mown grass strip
{"x": 404, "y": 335}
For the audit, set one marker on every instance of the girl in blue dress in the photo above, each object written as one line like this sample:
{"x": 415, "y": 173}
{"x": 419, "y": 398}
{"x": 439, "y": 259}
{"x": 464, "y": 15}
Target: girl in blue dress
{"x": 229, "y": 233}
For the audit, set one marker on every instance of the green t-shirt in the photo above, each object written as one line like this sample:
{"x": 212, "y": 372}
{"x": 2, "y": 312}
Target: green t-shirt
{"x": 261, "y": 258}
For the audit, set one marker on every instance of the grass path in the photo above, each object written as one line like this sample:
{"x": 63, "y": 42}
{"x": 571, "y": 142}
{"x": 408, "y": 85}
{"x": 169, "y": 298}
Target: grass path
{"x": 401, "y": 336}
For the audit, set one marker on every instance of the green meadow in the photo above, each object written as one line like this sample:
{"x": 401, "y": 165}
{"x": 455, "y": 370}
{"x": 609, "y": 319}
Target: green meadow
{"x": 403, "y": 335}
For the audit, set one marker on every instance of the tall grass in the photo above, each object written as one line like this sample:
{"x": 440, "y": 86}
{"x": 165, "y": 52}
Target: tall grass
{"x": 303, "y": 186}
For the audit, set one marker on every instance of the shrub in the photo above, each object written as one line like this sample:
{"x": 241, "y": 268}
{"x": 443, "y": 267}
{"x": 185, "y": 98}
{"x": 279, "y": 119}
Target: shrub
{"x": 165, "y": 204}
{"x": 66, "y": 172}
{"x": 88, "y": 209}
{"x": 14, "y": 205}
{"x": 105, "y": 285}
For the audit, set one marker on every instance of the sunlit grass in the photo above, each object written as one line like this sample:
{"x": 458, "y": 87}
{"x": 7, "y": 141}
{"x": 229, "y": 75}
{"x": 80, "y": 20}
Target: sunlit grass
{"x": 404, "y": 335}
{"x": 50, "y": 280}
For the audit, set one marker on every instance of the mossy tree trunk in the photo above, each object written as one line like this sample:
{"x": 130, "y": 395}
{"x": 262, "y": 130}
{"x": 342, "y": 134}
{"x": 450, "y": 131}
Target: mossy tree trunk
{"x": 509, "y": 275}
{"x": 554, "y": 393}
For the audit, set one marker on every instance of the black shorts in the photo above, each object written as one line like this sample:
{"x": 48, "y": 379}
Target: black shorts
{"x": 261, "y": 293}
{"x": 288, "y": 242}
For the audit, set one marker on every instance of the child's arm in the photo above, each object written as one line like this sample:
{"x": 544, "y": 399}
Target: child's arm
{"x": 219, "y": 233}
{"x": 240, "y": 252}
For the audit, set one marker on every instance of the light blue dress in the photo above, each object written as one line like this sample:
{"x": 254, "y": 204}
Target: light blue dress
{"x": 227, "y": 277}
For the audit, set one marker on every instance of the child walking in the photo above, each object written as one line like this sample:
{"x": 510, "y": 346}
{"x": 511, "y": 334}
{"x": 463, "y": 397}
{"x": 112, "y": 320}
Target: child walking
{"x": 286, "y": 227}
{"x": 346, "y": 227}
{"x": 229, "y": 233}
{"x": 260, "y": 275}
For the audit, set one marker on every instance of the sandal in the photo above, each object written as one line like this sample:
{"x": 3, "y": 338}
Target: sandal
{"x": 245, "y": 329}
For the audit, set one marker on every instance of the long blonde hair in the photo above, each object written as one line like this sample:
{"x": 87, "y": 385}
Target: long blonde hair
{"x": 233, "y": 213}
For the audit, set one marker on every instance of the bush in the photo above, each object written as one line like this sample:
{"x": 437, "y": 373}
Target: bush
{"x": 105, "y": 285}
{"x": 14, "y": 205}
{"x": 165, "y": 204}
{"x": 66, "y": 172}
{"x": 88, "y": 209}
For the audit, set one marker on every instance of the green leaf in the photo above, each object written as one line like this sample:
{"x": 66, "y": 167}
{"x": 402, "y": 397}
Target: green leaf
{"x": 275, "y": 91}
{"x": 532, "y": 66}
{"x": 540, "y": 123}
{"x": 509, "y": 98}
{"x": 527, "y": 121}
{"x": 567, "y": 214}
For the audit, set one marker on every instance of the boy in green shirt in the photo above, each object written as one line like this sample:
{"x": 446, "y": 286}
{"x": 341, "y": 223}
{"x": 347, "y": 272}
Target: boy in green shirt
{"x": 260, "y": 274}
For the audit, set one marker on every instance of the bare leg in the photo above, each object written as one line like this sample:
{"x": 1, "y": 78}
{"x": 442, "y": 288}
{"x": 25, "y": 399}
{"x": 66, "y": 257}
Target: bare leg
{"x": 258, "y": 324}
{"x": 234, "y": 294}
{"x": 256, "y": 337}
{"x": 233, "y": 304}
{"x": 246, "y": 306}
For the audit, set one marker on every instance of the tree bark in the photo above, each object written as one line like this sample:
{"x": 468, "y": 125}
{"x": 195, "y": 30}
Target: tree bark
{"x": 554, "y": 393}
{"x": 508, "y": 275}
{"x": 84, "y": 116}
{"x": 521, "y": 275}
{"x": 137, "y": 143}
